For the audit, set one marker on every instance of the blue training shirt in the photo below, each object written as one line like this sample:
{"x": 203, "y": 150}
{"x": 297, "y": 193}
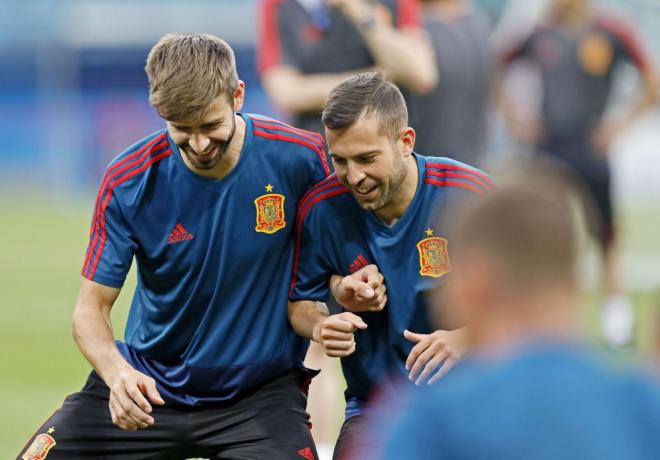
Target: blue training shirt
{"x": 548, "y": 401}
{"x": 337, "y": 236}
{"x": 208, "y": 318}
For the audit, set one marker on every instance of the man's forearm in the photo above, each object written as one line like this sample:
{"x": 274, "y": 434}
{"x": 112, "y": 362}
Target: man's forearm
{"x": 92, "y": 331}
{"x": 294, "y": 92}
{"x": 406, "y": 56}
{"x": 305, "y": 316}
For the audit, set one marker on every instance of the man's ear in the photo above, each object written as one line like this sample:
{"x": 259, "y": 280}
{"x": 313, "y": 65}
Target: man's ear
{"x": 239, "y": 96}
{"x": 408, "y": 139}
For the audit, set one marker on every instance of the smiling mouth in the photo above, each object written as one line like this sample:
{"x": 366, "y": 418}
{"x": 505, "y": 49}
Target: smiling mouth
{"x": 364, "y": 192}
{"x": 204, "y": 156}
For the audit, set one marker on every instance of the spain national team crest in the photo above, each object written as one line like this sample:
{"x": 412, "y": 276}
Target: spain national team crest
{"x": 39, "y": 448}
{"x": 433, "y": 256}
{"x": 270, "y": 212}
{"x": 595, "y": 54}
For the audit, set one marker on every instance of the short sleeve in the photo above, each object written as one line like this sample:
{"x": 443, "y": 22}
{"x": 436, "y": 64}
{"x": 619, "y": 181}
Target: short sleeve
{"x": 311, "y": 270}
{"x": 518, "y": 48}
{"x": 274, "y": 44}
{"x": 627, "y": 44}
{"x": 408, "y": 14}
{"x": 111, "y": 246}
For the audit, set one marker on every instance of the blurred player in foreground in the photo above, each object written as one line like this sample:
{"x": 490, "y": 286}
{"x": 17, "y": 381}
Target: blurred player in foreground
{"x": 531, "y": 389}
{"x": 577, "y": 52}
{"x": 379, "y": 208}
{"x": 209, "y": 366}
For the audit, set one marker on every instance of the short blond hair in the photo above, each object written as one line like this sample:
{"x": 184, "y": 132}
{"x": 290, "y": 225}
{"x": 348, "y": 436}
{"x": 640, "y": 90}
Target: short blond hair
{"x": 187, "y": 72}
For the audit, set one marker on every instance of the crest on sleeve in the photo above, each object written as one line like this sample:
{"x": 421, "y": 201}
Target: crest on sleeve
{"x": 270, "y": 212}
{"x": 433, "y": 256}
{"x": 39, "y": 448}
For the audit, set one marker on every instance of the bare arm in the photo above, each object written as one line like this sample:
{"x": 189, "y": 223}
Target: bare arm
{"x": 293, "y": 91}
{"x": 334, "y": 333}
{"x": 406, "y": 56}
{"x": 609, "y": 130}
{"x": 92, "y": 331}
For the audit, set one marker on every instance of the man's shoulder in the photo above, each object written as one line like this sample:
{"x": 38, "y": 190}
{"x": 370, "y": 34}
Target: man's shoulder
{"x": 447, "y": 173}
{"x": 328, "y": 199}
{"x": 134, "y": 162}
{"x": 288, "y": 143}
{"x": 144, "y": 148}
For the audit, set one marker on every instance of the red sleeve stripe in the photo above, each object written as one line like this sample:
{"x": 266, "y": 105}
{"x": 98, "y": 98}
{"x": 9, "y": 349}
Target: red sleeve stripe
{"x": 310, "y": 136}
{"x": 112, "y": 172}
{"x": 299, "y": 220}
{"x": 624, "y": 33}
{"x": 151, "y": 158}
{"x": 408, "y": 14}
{"x": 295, "y": 140}
{"x": 467, "y": 177}
{"x": 448, "y": 183}
{"x": 272, "y": 121}
{"x": 158, "y": 142}
{"x": 138, "y": 152}
{"x": 325, "y": 184}
{"x": 473, "y": 172}
{"x": 269, "y": 51}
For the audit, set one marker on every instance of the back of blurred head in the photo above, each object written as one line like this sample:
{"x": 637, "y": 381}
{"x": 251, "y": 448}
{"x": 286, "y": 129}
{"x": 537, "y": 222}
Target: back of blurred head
{"x": 514, "y": 256}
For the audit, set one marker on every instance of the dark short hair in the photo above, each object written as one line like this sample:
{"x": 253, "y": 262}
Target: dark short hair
{"x": 365, "y": 94}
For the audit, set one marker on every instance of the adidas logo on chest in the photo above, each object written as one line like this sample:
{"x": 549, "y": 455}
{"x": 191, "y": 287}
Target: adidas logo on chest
{"x": 178, "y": 234}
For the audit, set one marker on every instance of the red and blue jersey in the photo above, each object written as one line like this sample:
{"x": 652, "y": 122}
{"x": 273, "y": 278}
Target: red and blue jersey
{"x": 208, "y": 318}
{"x": 336, "y": 235}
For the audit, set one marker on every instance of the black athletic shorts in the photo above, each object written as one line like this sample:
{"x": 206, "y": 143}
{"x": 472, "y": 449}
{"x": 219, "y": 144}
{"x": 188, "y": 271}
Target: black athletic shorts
{"x": 590, "y": 169}
{"x": 271, "y": 423}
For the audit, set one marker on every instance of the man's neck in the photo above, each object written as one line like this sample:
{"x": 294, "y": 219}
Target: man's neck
{"x": 576, "y": 20}
{"x": 549, "y": 317}
{"x": 391, "y": 213}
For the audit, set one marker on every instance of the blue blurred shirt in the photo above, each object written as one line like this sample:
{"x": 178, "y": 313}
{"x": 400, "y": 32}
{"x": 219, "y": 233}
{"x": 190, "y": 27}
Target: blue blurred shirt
{"x": 550, "y": 401}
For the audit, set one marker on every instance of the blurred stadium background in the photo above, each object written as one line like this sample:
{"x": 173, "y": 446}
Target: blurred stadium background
{"x": 73, "y": 94}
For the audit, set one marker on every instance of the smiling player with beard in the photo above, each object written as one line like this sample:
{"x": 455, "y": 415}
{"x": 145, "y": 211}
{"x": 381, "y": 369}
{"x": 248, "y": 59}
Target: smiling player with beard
{"x": 379, "y": 208}
{"x": 209, "y": 366}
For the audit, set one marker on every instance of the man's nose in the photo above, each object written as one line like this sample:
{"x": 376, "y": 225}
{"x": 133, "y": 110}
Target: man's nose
{"x": 355, "y": 174}
{"x": 198, "y": 142}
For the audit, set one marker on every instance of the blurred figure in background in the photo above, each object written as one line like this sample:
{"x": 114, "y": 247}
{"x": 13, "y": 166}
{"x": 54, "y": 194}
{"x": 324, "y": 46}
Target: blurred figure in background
{"x": 307, "y": 47}
{"x": 531, "y": 388}
{"x": 451, "y": 119}
{"x": 577, "y": 52}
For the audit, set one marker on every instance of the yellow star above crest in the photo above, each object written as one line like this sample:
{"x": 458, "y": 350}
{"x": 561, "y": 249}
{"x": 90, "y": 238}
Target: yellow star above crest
{"x": 51, "y": 430}
{"x": 429, "y": 231}
{"x": 269, "y": 188}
